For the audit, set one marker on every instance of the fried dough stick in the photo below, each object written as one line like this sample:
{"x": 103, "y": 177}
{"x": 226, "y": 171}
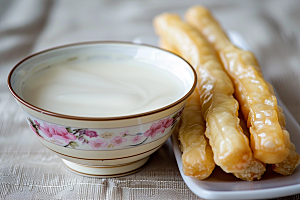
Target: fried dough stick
{"x": 289, "y": 164}
{"x": 197, "y": 157}
{"x": 219, "y": 108}
{"x": 164, "y": 45}
{"x": 293, "y": 159}
{"x": 256, "y": 168}
{"x": 269, "y": 141}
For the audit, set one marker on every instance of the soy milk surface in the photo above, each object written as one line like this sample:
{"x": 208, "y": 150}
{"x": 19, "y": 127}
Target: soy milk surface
{"x": 102, "y": 88}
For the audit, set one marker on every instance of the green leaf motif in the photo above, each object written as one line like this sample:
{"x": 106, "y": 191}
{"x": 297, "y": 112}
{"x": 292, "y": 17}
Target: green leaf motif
{"x": 35, "y": 127}
{"x": 30, "y": 120}
{"x": 174, "y": 116}
{"x": 69, "y": 129}
{"x": 73, "y": 144}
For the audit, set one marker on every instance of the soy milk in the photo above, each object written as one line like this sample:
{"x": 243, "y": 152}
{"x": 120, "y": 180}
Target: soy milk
{"x": 102, "y": 88}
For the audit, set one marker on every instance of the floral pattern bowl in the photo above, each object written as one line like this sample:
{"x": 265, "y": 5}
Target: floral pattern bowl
{"x": 104, "y": 147}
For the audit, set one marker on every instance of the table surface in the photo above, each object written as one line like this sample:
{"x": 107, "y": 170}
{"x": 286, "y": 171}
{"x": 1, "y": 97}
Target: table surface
{"x": 30, "y": 171}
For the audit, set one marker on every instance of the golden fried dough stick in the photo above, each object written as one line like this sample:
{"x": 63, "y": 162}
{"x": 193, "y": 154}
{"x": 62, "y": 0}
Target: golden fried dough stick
{"x": 293, "y": 159}
{"x": 256, "y": 168}
{"x": 219, "y": 108}
{"x": 197, "y": 157}
{"x": 164, "y": 45}
{"x": 269, "y": 141}
{"x": 254, "y": 171}
{"x": 289, "y": 164}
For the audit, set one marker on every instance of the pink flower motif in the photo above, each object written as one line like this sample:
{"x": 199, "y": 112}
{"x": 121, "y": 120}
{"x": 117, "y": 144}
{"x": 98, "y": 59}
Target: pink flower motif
{"x": 91, "y": 134}
{"x": 57, "y": 133}
{"x": 158, "y": 127}
{"x": 37, "y": 123}
{"x": 33, "y": 129}
{"x": 124, "y": 133}
{"x": 136, "y": 139}
{"x": 168, "y": 122}
{"x": 179, "y": 113}
{"x": 117, "y": 141}
{"x": 96, "y": 144}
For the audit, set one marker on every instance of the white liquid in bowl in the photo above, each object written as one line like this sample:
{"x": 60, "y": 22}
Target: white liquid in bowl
{"x": 102, "y": 88}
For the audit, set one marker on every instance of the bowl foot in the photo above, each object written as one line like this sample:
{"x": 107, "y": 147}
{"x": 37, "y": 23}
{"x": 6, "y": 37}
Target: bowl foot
{"x": 106, "y": 171}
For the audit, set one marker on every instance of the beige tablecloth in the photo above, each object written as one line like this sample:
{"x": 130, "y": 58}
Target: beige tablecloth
{"x": 30, "y": 171}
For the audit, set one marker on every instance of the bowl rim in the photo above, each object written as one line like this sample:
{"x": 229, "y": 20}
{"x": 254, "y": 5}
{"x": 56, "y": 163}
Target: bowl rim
{"x": 59, "y": 115}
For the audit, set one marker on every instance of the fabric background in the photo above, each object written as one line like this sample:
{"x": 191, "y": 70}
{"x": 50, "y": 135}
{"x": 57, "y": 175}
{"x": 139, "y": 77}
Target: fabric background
{"x": 30, "y": 171}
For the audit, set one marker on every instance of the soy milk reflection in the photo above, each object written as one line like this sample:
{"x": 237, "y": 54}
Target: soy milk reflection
{"x": 108, "y": 88}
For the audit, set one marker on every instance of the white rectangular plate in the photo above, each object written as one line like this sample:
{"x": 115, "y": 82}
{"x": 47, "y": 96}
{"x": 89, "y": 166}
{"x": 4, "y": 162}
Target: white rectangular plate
{"x": 221, "y": 185}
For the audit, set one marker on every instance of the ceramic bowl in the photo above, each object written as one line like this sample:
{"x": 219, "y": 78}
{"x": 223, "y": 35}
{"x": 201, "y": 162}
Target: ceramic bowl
{"x": 103, "y": 146}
